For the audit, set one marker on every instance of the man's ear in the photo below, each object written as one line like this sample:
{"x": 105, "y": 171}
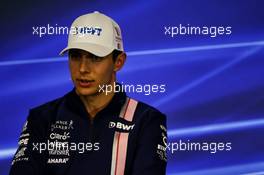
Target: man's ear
{"x": 120, "y": 61}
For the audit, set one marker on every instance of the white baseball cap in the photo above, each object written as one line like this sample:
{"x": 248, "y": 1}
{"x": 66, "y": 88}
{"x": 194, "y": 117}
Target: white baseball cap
{"x": 95, "y": 33}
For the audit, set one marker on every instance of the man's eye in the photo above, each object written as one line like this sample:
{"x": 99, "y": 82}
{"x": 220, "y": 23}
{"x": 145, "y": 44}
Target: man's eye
{"x": 96, "y": 58}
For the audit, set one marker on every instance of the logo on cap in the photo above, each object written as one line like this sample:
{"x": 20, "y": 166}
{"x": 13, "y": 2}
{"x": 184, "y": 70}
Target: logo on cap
{"x": 87, "y": 30}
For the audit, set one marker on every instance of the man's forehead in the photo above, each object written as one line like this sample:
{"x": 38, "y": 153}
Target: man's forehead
{"x": 80, "y": 51}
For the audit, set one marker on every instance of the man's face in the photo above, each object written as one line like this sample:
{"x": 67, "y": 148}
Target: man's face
{"x": 89, "y": 71}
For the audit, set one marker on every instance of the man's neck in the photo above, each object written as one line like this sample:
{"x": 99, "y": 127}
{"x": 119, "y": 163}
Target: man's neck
{"x": 94, "y": 104}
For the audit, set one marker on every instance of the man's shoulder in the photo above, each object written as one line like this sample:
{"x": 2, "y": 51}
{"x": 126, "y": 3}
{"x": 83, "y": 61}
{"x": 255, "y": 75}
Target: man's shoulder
{"x": 145, "y": 111}
{"x": 48, "y": 105}
{"x": 150, "y": 118}
{"x": 48, "y": 109}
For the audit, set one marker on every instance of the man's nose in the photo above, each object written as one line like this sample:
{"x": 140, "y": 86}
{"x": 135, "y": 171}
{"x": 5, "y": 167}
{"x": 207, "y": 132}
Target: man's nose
{"x": 85, "y": 65}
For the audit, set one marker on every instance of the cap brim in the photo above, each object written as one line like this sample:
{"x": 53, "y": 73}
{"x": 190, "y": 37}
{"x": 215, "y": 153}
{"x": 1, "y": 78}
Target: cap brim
{"x": 95, "y": 49}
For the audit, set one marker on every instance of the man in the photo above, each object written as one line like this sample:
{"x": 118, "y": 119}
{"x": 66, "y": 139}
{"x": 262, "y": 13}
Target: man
{"x": 88, "y": 131}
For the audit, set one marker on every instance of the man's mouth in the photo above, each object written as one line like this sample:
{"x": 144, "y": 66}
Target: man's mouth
{"x": 84, "y": 82}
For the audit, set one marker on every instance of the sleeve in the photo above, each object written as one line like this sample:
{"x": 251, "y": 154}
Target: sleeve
{"x": 151, "y": 157}
{"x": 29, "y": 159}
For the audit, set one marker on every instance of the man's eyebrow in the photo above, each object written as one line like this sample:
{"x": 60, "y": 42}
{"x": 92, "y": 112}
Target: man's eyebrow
{"x": 89, "y": 54}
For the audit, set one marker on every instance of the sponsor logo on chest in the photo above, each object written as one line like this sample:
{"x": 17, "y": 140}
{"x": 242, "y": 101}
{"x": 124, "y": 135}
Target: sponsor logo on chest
{"x": 121, "y": 126}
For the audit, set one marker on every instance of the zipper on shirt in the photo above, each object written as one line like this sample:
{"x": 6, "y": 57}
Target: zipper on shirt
{"x": 91, "y": 130}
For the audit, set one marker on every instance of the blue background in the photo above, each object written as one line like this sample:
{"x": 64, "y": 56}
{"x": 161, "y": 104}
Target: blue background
{"x": 214, "y": 86}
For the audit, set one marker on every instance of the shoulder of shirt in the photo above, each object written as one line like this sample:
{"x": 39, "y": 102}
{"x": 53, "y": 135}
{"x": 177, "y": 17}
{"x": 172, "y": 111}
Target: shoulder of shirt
{"x": 47, "y": 110}
{"x": 147, "y": 111}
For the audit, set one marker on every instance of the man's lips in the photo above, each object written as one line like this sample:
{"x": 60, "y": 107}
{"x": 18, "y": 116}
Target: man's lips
{"x": 84, "y": 82}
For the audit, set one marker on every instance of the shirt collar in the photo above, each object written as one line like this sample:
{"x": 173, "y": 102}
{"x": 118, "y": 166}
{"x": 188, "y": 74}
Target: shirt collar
{"x": 75, "y": 104}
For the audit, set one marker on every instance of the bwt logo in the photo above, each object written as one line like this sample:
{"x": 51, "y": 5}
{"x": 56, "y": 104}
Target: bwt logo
{"x": 87, "y": 30}
{"x": 121, "y": 126}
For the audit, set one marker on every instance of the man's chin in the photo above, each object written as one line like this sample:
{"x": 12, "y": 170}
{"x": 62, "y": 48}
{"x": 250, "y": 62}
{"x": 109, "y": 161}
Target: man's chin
{"x": 86, "y": 91}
